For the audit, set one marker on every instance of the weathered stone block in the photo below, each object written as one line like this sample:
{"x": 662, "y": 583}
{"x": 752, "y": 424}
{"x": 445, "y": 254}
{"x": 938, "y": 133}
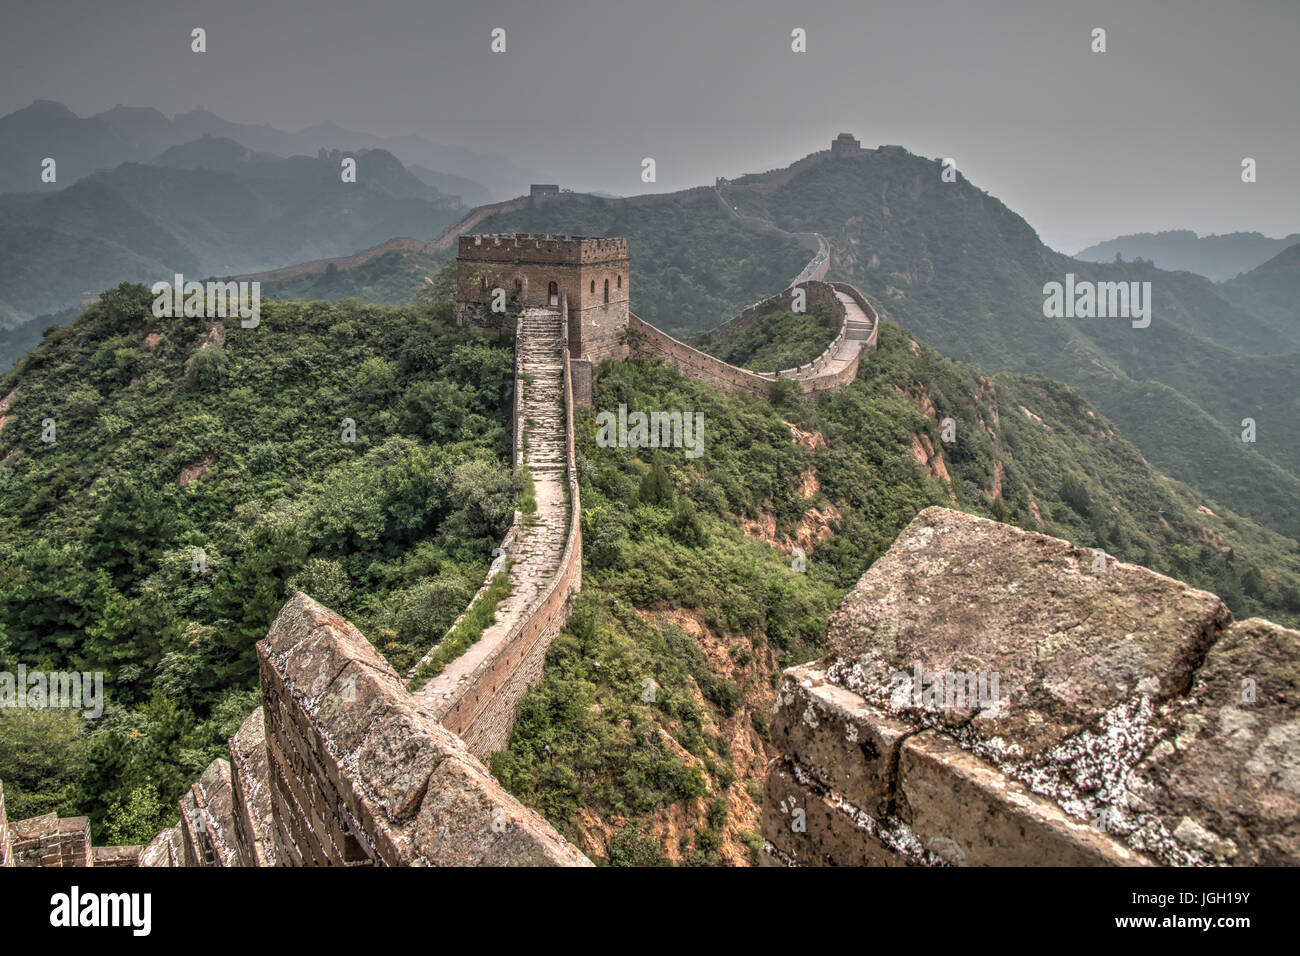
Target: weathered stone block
{"x": 958, "y": 594}
{"x": 826, "y": 834}
{"x": 1225, "y": 783}
{"x": 833, "y": 734}
{"x": 467, "y": 819}
{"x": 968, "y": 813}
{"x": 251, "y": 793}
{"x": 116, "y": 855}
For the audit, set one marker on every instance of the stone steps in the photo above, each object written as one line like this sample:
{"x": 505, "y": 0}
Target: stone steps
{"x": 539, "y": 547}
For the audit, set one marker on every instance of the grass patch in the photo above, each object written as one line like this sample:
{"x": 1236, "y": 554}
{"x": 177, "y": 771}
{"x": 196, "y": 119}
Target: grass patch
{"x": 528, "y": 497}
{"x": 464, "y": 634}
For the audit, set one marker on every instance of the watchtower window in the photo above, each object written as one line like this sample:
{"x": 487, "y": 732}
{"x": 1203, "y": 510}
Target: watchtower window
{"x": 553, "y": 293}
{"x": 620, "y": 280}
{"x": 606, "y": 290}
{"x": 593, "y": 286}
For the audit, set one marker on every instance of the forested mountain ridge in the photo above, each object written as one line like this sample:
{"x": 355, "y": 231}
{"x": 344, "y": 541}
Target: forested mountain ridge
{"x": 1271, "y": 291}
{"x": 955, "y": 266}
{"x": 144, "y": 223}
{"x": 165, "y": 483}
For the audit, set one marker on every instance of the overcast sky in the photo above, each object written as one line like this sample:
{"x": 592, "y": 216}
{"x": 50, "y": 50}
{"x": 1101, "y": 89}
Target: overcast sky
{"x": 1147, "y": 136}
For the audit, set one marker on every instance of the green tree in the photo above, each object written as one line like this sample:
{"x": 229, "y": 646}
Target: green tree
{"x": 656, "y": 487}
{"x": 138, "y": 820}
{"x": 131, "y": 525}
{"x": 41, "y": 756}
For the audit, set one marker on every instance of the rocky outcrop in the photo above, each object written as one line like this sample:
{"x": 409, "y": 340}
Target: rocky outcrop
{"x": 993, "y": 696}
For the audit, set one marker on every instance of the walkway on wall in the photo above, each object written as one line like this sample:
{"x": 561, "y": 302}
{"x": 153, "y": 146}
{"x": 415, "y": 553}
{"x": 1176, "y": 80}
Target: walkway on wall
{"x": 857, "y": 333}
{"x": 537, "y": 550}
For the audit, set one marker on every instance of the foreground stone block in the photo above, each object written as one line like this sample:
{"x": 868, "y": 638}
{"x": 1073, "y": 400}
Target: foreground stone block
{"x": 827, "y": 833}
{"x": 1030, "y": 703}
{"x": 251, "y": 793}
{"x": 834, "y": 735}
{"x": 1225, "y": 782}
{"x": 957, "y": 594}
{"x": 968, "y": 813}
{"x": 207, "y": 824}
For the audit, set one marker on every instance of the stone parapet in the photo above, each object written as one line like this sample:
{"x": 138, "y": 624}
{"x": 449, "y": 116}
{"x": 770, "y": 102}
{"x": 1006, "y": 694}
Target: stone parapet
{"x": 952, "y": 724}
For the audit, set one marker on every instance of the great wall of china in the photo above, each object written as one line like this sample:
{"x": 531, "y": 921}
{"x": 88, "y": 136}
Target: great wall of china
{"x": 1153, "y": 755}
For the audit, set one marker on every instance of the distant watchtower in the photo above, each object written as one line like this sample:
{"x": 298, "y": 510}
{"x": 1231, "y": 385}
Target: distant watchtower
{"x": 533, "y": 270}
{"x": 540, "y": 192}
{"x": 845, "y": 145}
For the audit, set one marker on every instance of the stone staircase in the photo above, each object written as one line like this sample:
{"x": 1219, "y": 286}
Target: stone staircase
{"x": 859, "y": 325}
{"x": 540, "y": 446}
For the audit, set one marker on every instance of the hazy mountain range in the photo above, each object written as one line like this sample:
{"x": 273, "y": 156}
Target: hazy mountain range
{"x": 208, "y": 207}
{"x": 1215, "y": 257}
{"x": 138, "y": 134}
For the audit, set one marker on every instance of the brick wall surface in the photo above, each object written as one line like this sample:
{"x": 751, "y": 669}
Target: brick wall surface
{"x": 360, "y": 776}
{"x": 50, "y": 841}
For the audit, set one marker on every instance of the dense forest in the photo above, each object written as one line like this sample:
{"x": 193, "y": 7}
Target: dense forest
{"x": 198, "y": 474}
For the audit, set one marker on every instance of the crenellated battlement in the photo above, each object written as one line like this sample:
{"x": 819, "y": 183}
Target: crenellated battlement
{"x": 523, "y": 247}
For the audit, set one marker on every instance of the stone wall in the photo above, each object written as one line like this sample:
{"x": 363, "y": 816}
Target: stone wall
{"x": 1174, "y": 745}
{"x": 646, "y": 341}
{"x": 50, "y": 841}
{"x": 818, "y": 297}
{"x": 360, "y": 776}
{"x": 6, "y": 851}
{"x": 483, "y": 712}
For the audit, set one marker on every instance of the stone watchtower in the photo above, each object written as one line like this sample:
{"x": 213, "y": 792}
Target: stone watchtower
{"x": 533, "y": 270}
{"x": 845, "y": 145}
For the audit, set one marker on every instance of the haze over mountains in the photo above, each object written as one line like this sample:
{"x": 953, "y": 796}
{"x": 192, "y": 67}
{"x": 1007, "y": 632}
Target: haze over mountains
{"x": 210, "y": 207}
{"x": 138, "y": 134}
{"x": 1215, "y": 257}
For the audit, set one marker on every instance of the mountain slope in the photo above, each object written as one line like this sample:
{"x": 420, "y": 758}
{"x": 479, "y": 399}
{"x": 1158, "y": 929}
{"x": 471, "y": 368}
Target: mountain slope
{"x": 1271, "y": 291}
{"x": 144, "y": 223}
{"x": 957, "y": 267}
